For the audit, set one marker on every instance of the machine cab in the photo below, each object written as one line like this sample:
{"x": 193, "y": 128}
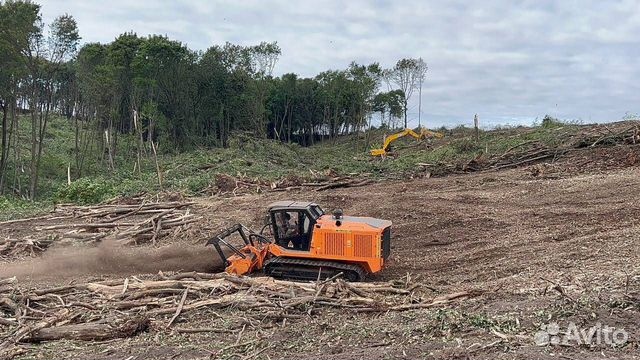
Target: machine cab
{"x": 292, "y": 223}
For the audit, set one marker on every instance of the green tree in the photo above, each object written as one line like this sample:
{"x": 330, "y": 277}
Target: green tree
{"x": 263, "y": 58}
{"x": 18, "y": 28}
{"x": 391, "y": 103}
{"x": 121, "y": 54}
{"x": 47, "y": 63}
{"x": 164, "y": 71}
{"x": 407, "y": 74}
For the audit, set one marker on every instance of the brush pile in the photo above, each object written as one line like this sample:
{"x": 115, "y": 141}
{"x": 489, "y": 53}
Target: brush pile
{"x": 132, "y": 224}
{"x": 121, "y": 308}
{"x": 13, "y": 247}
{"x": 227, "y": 185}
{"x": 129, "y": 224}
{"x": 534, "y": 151}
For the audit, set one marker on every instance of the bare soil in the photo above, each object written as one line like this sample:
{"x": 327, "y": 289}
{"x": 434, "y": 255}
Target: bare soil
{"x": 547, "y": 243}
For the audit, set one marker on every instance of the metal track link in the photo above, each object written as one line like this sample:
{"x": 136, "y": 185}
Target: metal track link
{"x": 306, "y": 269}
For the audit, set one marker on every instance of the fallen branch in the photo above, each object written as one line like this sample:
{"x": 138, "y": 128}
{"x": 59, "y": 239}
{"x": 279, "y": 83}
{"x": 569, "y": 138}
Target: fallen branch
{"x": 180, "y": 307}
{"x": 344, "y": 184}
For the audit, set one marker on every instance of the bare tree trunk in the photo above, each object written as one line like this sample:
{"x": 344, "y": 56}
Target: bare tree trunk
{"x": 155, "y": 158}
{"x": 405, "y": 113}
{"x": 15, "y": 134}
{"x": 34, "y": 141}
{"x": 107, "y": 138}
{"x": 286, "y": 111}
{"x": 138, "y": 126}
{"x": 93, "y": 331}
{"x": 77, "y": 147}
{"x": 87, "y": 139}
{"x": 43, "y": 128}
{"x": 5, "y": 146}
{"x": 289, "y": 128}
{"x": 420, "y": 105}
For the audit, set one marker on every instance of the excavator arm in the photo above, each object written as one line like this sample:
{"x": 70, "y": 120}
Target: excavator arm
{"x": 424, "y": 133}
{"x": 428, "y": 133}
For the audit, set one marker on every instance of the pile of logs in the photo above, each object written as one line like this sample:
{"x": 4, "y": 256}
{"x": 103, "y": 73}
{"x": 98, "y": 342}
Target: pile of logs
{"x": 534, "y": 151}
{"x": 228, "y": 185}
{"x": 224, "y": 184}
{"x": 130, "y": 224}
{"x": 122, "y": 308}
{"x": 334, "y": 183}
{"x": 627, "y": 132}
{"x": 13, "y": 247}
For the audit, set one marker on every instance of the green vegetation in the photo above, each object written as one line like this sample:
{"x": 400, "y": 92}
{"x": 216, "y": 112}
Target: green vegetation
{"x": 269, "y": 160}
{"x": 13, "y": 208}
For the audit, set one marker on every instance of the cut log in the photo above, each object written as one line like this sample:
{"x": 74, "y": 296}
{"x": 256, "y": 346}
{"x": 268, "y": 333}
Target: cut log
{"x": 440, "y": 300}
{"x": 56, "y": 289}
{"x": 10, "y": 280}
{"x": 7, "y": 322}
{"x": 45, "y": 217}
{"x": 344, "y": 184}
{"x": 196, "y": 276}
{"x": 95, "y": 331}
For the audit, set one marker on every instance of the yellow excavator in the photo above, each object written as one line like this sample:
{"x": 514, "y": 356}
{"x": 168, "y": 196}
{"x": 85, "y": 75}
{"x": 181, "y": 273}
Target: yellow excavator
{"x": 423, "y": 134}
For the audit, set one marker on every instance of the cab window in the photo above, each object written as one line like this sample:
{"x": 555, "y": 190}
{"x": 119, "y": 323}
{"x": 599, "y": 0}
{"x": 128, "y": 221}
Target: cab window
{"x": 287, "y": 224}
{"x": 293, "y": 229}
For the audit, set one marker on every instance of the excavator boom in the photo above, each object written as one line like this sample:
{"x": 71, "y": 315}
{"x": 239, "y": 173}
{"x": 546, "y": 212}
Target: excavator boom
{"x": 424, "y": 133}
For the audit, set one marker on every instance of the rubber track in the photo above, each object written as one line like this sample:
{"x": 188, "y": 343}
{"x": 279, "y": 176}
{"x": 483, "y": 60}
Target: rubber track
{"x": 306, "y": 265}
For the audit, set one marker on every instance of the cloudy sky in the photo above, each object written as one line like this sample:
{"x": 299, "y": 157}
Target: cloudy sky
{"x": 510, "y": 61}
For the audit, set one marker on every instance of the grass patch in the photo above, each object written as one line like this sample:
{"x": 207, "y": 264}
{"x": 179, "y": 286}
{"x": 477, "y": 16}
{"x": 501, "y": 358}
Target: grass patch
{"x": 13, "y": 208}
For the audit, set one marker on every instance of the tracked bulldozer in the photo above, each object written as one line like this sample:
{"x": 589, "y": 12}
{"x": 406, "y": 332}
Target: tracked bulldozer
{"x": 299, "y": 241}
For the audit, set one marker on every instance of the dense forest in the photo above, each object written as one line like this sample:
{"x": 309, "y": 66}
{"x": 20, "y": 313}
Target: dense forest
{"x": 148, "y": 90}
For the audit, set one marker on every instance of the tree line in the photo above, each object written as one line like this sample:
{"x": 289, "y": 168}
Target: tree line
{"x": 145, "y": 90}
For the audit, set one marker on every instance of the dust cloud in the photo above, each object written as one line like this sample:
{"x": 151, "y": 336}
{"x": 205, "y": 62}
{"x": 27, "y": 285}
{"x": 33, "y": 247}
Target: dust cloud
{"x": 112, "y": 259}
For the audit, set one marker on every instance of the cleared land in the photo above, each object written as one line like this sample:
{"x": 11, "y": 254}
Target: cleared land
{"x": 546, "y": 242}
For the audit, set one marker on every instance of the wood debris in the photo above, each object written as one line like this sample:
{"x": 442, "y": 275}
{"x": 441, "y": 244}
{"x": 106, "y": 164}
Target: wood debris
{"x": 224, "y": 184}
{"x": 132, "y": 224}
{"x": 534, "y": 151}
{"x": 113, "y": 309}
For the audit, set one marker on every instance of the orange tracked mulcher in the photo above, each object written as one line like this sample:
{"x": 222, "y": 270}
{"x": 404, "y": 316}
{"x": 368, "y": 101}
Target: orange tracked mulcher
{"x": 305, "y": 243}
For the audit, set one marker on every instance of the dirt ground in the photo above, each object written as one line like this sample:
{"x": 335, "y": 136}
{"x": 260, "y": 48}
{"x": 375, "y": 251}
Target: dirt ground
{"x": 544, "y": 244}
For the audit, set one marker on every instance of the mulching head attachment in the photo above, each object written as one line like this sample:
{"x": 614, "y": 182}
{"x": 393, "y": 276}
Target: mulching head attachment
{"x": 250, "y": 238}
